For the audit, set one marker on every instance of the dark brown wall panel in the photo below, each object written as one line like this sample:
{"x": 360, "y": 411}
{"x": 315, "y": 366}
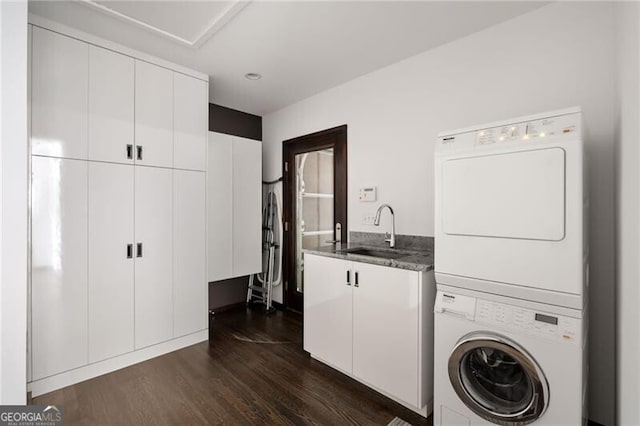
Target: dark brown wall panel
{"x": 234, "y": 122}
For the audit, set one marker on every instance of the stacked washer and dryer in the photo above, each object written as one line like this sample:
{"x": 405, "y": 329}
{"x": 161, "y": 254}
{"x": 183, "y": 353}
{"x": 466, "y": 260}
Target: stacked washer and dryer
{"x": 511, "y": 267}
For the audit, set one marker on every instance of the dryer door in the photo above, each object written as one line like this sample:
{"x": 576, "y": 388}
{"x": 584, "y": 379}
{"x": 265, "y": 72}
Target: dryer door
{"x": 498, "y": 380}
{"x": 517, "y": 195}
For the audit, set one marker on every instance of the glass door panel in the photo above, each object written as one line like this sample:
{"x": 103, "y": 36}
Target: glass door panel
{"x": 314, "y": 219}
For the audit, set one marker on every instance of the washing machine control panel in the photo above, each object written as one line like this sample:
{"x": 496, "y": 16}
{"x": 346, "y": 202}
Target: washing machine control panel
{"x": 520, "y": 319}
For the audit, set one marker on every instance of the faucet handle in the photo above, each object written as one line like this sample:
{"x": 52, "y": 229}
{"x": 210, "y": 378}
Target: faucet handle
{"x": 387, "y": 237}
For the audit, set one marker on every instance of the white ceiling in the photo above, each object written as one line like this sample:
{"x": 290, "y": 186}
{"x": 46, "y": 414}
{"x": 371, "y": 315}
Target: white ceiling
{"x": 300, "y": 48}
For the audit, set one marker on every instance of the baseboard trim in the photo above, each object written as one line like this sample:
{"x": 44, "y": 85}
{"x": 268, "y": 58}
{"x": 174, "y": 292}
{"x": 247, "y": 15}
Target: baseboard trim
{"x": 227, "y": 308}
{"x": 71, "y": 377}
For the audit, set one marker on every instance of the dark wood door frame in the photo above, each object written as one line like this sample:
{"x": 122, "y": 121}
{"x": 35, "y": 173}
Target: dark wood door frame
{"x": 335, "y": 138}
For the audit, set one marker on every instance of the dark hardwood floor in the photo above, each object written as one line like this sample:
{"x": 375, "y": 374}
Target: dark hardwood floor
{"x": 254, "y": 371}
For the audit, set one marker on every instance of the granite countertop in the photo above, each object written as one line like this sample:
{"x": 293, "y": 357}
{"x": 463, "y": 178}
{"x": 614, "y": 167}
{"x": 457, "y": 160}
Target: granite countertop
{"x": 415, "y": 259}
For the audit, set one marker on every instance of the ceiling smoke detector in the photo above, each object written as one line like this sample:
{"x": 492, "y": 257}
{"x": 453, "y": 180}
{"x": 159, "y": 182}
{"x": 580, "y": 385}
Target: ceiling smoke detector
{"x": 252, "y": 76}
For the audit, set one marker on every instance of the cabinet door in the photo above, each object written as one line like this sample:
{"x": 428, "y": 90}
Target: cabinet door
{"x": 247, "y": 206}
{"x": 153, "y": 256}
{"x": 59, "y": 87}
{"x": 58, "y": 265}
{"x": 110, "y": 260}
{"x": 385, "y": 329}
{"x": 219, "y": 207}
{"x": 154, "y": 115}
{"x": 111, "y": 78}
{"x": 190, "y": 289}
{"x": 190, "y": 122}
{"x": 327, "y": 310}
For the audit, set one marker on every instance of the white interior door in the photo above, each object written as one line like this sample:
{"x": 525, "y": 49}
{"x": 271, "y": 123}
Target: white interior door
{"x": 111, "y": 97}
{"x": 190, "y": 289}
{"x": 385, "y": 329}
{"x": 153, "y": 256}
{"x": 59, "y": 88}
{"x": 58, "y": 265}
{"x": 190, "y": 115}
{"x": 328, "y": 310}
{"x": 154, "y": 115}
{"x": 219, "y": 207}
{"x": 247, "y": 205}
{"x": 111, "y": 260}
{"x": 514, "y": 195}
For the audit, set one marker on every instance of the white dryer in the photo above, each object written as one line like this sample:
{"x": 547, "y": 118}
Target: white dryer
{"x": 507, "y": 361}
{"x": 510, "y": 209}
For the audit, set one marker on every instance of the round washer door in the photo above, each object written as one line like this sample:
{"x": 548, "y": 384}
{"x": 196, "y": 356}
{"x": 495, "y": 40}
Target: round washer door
{"x": 498, "y": 380}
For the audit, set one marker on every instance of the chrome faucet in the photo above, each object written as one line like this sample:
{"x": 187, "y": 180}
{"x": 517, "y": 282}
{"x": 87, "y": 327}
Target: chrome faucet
{"x": 391, "y": 239}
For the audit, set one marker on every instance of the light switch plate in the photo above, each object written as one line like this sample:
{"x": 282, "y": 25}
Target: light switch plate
{"x": 368, "y": 195}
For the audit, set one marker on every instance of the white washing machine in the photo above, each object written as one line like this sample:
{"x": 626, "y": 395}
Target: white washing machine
{"x": 510, "y": 208}
{"x": 507, "y": 361}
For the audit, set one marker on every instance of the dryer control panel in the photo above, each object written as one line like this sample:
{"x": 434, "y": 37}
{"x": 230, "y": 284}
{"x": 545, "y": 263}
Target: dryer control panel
{"x": 533, "y": 131}
{"x": 528, "y": 130}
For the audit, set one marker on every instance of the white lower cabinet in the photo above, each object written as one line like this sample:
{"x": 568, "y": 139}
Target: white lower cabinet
{"x": 111, "y": 261}
{"x": 328, "y": 326}
{"x": 59, "y": 265}
{"x": 385, "y": 329}
{"x": 153, "y": 252}
{"x": 373, "y": 323}
{"x": 190, "y": 293}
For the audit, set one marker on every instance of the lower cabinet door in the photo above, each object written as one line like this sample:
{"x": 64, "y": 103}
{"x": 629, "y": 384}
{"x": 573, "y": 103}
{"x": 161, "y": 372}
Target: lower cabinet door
{"x": 190, "y": 288}
{"x": 153, "y": 256}
{"x": 385, "y": 329}
{"x": 58, "y": 265}
{"x": 111, "y": 260}
{"x": 327, "y": 310}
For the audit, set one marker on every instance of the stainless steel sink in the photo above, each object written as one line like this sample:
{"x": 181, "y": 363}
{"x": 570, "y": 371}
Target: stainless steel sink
{"x": 385, "y": 254}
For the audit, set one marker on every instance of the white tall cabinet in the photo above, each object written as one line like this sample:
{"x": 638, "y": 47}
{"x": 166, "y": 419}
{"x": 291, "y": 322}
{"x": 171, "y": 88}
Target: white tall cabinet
{"x": 154, "y": 115}
{"x": 118, "y": 234}
{"x": 247, "y": 205}
{"x": 111, "y": 261}
{"x": 153, "y": 253}
{"x": 59, "y": 265}
{"x": 190, "y": 110}
{"x": 189, "y": 270}
{"x": 59, "y": 95}
{"x": 234, "y": 196}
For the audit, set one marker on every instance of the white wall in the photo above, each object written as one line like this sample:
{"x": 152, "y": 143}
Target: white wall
{"x": 13, "y": 192}
{"x": 558, "y": 56}
{"x": 628, "y": 213}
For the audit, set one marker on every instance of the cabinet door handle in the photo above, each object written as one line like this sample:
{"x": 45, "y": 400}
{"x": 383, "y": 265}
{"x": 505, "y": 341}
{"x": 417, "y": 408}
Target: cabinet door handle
{"x": 139, "y": 152}
{"x": 129, "y": 152}
{"x": 348, "y": 277}
{"x": 357, "y": 284}
{"x": 129, "y": 251}
{"x": 139, "y": 250}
